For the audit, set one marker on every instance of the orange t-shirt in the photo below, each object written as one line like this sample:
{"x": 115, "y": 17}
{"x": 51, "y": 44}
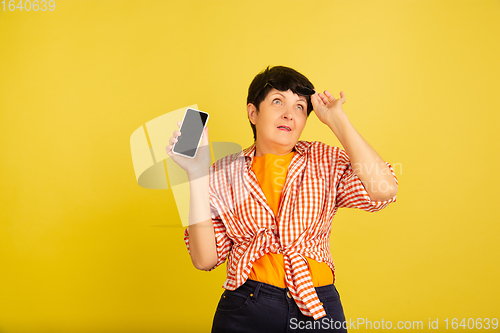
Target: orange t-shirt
{"x": 271, "y": 173}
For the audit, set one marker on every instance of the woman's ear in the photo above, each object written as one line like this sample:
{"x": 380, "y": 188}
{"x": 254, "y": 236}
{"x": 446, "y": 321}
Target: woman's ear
{"x": 252, "y": 112}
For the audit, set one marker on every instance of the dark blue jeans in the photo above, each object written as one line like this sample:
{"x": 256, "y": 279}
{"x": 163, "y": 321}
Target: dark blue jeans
{"x": 260, "y": 307}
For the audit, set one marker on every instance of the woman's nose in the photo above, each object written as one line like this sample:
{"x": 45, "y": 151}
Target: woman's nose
{"x": 287, "y": 114}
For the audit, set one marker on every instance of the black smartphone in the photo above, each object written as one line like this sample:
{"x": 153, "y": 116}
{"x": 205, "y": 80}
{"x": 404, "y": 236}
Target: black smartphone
{"x": 192, "y": 127}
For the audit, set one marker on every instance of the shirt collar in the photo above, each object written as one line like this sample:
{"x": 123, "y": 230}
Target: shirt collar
{"x": 301, "y": 148}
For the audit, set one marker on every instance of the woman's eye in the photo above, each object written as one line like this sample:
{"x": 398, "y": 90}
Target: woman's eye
{"x": 277, "y": 101}
{"x": 301, "y": 107}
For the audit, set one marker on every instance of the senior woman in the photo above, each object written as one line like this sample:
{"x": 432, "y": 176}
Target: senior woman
{"x": 268, "y": 209}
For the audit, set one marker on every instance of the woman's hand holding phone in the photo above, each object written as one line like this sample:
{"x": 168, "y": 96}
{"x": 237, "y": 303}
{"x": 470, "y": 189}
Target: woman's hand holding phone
{"x": 194, "y": 167}
{"x": 202, "y": 245}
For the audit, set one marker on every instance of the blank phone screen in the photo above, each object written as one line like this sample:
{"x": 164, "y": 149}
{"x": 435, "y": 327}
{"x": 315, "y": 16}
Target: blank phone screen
{"x": 191, "y": 132}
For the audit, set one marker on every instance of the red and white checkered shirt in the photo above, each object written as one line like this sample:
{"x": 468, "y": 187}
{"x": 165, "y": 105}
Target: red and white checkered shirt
{"x": 320, "y": 179}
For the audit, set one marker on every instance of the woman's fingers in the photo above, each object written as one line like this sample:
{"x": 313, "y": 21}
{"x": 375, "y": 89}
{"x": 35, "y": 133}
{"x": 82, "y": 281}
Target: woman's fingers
{"x": 169, "y": 150}
{"x": 172, "y": 141}
{"x": 319, "y": 99}
{"x": 324, "y": 99}
{"x": 314, "y": 100}
{"x": 330, "y": 96}
{"x": 342, "y": 96}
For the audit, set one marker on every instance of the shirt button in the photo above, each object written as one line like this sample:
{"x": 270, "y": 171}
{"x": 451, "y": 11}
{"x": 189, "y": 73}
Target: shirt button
{"x": 288, "y": 294}
{"x": 273, "y": 227}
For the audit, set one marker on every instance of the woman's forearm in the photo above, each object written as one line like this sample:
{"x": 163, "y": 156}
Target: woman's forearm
{"x": 370, "y": 168}
{"x": 202, "y": 245}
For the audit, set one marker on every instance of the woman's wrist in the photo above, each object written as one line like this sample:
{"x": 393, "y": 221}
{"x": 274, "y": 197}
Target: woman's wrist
{"x": 197, "y": 173}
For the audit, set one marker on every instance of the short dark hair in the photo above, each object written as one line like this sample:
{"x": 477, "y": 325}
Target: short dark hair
{"x": 283, "y": 78}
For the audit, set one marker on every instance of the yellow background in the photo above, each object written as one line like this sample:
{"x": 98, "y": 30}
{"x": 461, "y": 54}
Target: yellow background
{"x": 84, "y": 248}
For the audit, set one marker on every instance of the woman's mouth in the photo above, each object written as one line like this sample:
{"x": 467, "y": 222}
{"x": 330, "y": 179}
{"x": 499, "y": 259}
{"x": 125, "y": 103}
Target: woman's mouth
{"x": 284, "y": 128}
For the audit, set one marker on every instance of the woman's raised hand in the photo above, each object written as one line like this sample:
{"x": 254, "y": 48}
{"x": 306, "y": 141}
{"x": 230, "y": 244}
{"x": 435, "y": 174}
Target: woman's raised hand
{"x": 194, "y": 167}
{"x": 327, "y": 107}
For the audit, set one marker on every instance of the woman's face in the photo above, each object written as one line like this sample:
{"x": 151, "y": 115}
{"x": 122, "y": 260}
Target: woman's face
{"x": 280, "y": 108}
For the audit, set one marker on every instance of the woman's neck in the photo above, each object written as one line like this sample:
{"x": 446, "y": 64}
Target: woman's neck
{"x": 260, "y": 151}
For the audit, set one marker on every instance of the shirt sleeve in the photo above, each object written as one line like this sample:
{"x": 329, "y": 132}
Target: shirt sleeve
{"x": 223, "y": 242}
{"x": 351, "y": 192}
